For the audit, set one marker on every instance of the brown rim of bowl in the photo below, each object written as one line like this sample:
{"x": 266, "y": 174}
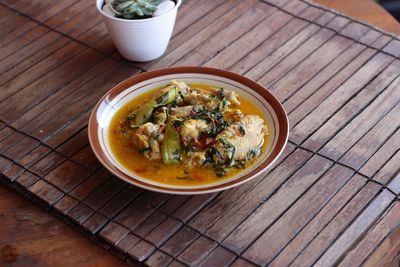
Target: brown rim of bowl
{"x": 262, "y": 91}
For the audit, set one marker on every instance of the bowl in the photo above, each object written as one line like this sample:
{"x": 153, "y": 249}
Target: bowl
{"x": 122, "y": 93}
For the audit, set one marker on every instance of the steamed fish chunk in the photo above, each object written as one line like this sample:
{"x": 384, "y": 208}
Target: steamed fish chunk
{"x": 240, "y": 139}
{"x": 148, "y": 138}
{"x": 191, "y": 130}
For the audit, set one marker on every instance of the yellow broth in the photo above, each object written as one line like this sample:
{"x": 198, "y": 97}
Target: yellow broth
{"x": 129, "y": 156}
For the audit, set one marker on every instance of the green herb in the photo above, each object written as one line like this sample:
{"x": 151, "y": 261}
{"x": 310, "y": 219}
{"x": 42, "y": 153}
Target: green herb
{"x": 178, "y": 123}
{"x": 240, "y": 164}
{"x": 230, "y": 150}
{"x": 220, "y": 170}
{"x": 221, "y": 93}
{"x": 242, "y": 130}
{"x": 253, "y": 153}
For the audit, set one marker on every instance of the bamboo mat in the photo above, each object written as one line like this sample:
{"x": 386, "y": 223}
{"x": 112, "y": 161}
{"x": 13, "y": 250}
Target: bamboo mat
{"x": 332, "y": 198}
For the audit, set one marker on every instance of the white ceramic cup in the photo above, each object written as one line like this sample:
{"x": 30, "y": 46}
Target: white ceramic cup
{"x": 140, "y": 39}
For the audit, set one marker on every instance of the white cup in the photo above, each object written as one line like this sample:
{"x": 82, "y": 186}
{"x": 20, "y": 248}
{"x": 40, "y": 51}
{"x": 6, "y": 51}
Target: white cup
{"x": 140, "y": 39}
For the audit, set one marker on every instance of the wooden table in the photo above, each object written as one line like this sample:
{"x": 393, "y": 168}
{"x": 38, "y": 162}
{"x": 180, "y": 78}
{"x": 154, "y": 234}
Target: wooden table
{"x": 333, "y": 195}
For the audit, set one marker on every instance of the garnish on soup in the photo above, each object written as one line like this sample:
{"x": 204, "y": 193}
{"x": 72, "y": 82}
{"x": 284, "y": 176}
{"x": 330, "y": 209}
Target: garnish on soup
{"x": 188, "y": 135}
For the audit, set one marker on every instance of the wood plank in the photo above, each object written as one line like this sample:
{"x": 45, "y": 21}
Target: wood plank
{"x": 104, "y": 193}
{"x": 119, "y": 201}
{"x": 179, "y": 241}
{"x": 389, "y": 170}
{"x": 381, "y": 156}
{"x": 100, "y": 75}
{"x": 386, "y": 252}
{"x": 196, "y": 252}
{"x": 337, "y": 99}
{"x": 373, "y": 139}
{"x": 33, "y": 156}
{"x": 90, "y": 184}
{"x": 159, "y": 259}
{"x": 299, "y": 75}
{"x": 311, "y": 253}
{"x": 46, "y": 192}
{"x": 203, "y": 35}
{"x": 356, "y": 229}
{"x": 26, "y": 64}
{"x": 190, "y": 30}
{"x": 22, "y": 80}
{"x": 55, "y": 8}
{"x": 309, "y": 103}
{"x": 321, "y": 220}
{"x": 277, "y": 203}
{"x": 89, "y": 95}
{"x": 218, "y": 257}
{"x": 22, "y": 41}
{"x": 137, "y": 211}
{"x": 16, "y": 33}
{"x": 47, "y": 163}
{"x": 29, "y": 96}
{"x": 66, "y": 176}
{"x": 249, "y": 41}
{"x": 297, "y": 216}
{"x": 386, "y": 223}
{"x": 336, "y": 145}
{"x": 186, "y": 18}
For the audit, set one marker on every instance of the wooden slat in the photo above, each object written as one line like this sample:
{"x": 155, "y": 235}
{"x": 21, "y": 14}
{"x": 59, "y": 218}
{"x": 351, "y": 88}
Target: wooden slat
{"x": 311, "y": 230}
{"x": 297, "y": 216}
{"x": 332, "y": 104}
{"x": 269, "y": 211}
{"x": 311, "y": 101}
{"x": 388, "y": 222}
{"x": 311, "y": 253}
{"x": 353, "y": 107}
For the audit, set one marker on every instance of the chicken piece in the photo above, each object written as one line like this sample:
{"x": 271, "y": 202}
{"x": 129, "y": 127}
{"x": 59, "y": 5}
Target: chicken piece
{"x": 240, "y": 138}
{"x": 196, "y": 158}
{"x": 191, "y": 130}
{"x": 148, "y": 138}
{"x": 181, "y": 112}
{"x": 182, "y": 87}
{"x": 232, "y": 97}
{"x": 195, "y": 97}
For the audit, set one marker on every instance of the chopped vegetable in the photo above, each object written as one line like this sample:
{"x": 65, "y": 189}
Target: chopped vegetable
{"x": 143, "y": 113}
{"x": 171, "y": 147}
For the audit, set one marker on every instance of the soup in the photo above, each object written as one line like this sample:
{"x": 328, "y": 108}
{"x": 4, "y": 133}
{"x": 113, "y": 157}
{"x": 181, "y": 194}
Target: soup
{"x": 186, "y": 135}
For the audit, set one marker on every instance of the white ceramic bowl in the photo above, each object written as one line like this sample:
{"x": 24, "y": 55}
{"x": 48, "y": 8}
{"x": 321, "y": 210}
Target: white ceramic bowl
{"x": 125, "y": 91}
{"x": 141, "y": 39}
